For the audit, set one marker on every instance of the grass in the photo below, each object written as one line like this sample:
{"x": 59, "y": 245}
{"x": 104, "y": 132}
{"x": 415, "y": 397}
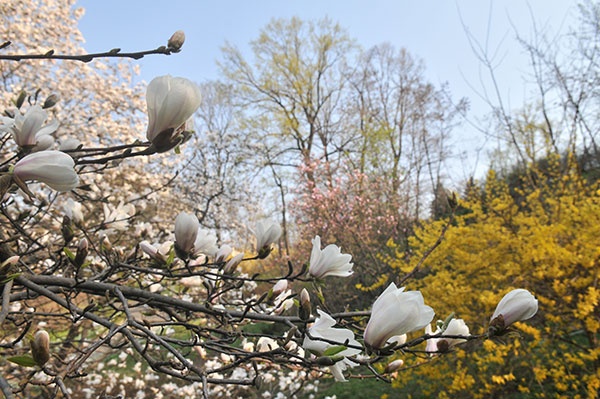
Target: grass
{"x": 357, "y": 388}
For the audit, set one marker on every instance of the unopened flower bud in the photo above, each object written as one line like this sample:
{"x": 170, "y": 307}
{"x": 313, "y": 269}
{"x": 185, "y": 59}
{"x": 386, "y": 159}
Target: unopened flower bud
{"x": 106, "y": 244}
{"x": 258, "y": 381}
{"x": 7, "y": 267}
{"x": 176, "y": 41}
{"x": 40, "y": 347}
{"x": 149, "y": 249}
{"x": 21, "y": 99}
{"x": 171, "y": 102}
{"x": 517, "y": 305}
{"x": 10, "y": 261}
{"x": 82, "y": 252}
{"x": 50, "y": 101}
{"x": 305, "y": 308}
{"x": 325, "y": 361}
{"x": 69, "y": 144}
{"x": 67, "y": 229}
{"x": 393, "y": 366}
{"x": 233, "y": 264}
{"x": 223, "y": 253}
{"x": 280, "y": 287}
{"x": 267, "y": 232}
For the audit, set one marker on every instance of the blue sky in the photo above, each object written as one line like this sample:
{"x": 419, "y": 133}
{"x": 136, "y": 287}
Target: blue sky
{"x": 431, "y": 30}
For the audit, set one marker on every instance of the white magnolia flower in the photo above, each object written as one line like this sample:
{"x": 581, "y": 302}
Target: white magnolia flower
{"x": 280, "y": 287}
{"x": 69, "y": 144}
{"x": 397, "y": 340}
{"x": 329, "y": 261}
{"x": 396, "y": 312}
{"x": 117, "y": 218}
{"x": 44, "y": 142}
{"x": 233, "y": 263}
{"x": 323, "y": 328}
{"x": 54, "y": 168}
{"x": 171, "y": 102}
{"x": 205, "y": 243}
{"x": 283, "y": 302}
{"x": 158, "y": 252}
{"x": 517, "y": 305}
{"x": 190, "y": 239}
{"x": 27, "y": 129}
{"x": 74, "y": 210}
{"x": 223, "y": 253}
{"x": 266, "y": 344}
{"x": 266, "y": 233}
{"x": 455, "y": 327}
{"x": 186, "y": 231}
{"x": 394, "y": 365}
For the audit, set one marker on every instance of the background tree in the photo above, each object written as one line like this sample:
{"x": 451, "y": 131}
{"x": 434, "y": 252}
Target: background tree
{"x": 502, "y": 242}
{"x": 531, "y": 223}
{"x": 292, "y": 96}
{"x": 218, "y": 180}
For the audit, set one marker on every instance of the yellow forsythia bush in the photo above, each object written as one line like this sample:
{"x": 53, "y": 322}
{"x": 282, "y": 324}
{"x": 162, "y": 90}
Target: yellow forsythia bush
{"x": 543, "y": 236}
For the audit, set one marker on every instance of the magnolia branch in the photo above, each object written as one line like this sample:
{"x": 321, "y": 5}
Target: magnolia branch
{"x": 153, "y": 299}
{"x": 113, "y": 53}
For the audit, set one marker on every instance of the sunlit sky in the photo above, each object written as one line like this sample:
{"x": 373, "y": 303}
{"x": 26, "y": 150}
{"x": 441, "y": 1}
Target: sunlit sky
{"x": 433, "y": 31}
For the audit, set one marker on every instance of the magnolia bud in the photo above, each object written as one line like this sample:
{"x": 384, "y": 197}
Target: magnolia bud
{"x": 517, "y": 305}
{"x": 50, "y": 101}
{"x": 233, "y": 263}
{"x": 21, "y": 99}
{"x": 82, "y": 252}
{"x": 6, "y": 182}
{"x": 393, "y": 366}
{"x": 280, "y": 287}
{"x": 223, "y": 253}
{"x": 8, "y": 266}
{"x": 40, "y": 347}
{"x": 67, "y": 229}
{"x": 325, "y": 361}
{"x": 176, "y": 41}
{"x": 11, "y": 261}
{"x": 106, "y": 244}
{"x": 305, "y": 308}
{"x": 258, "y": 381}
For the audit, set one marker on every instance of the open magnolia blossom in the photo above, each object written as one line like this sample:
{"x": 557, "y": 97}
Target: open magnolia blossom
{"x": 323, "y": 328}
{"x": 54, "y": 168}
{"x": 190, "y": 239}
{"x": 205, "y": 243}
{"x": 266, "y": 233}
{"x": 171, "y": 102}
{"x": 518, "y": 305}
{"x": 329, "y": 261}
{"x": 27, "y": 129}
{"x": 396, "y": 312}
{"x": 455, "y": 327}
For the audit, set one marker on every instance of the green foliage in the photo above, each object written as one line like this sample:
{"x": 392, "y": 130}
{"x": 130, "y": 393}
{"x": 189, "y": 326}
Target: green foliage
{"x": 24, "y": 360}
